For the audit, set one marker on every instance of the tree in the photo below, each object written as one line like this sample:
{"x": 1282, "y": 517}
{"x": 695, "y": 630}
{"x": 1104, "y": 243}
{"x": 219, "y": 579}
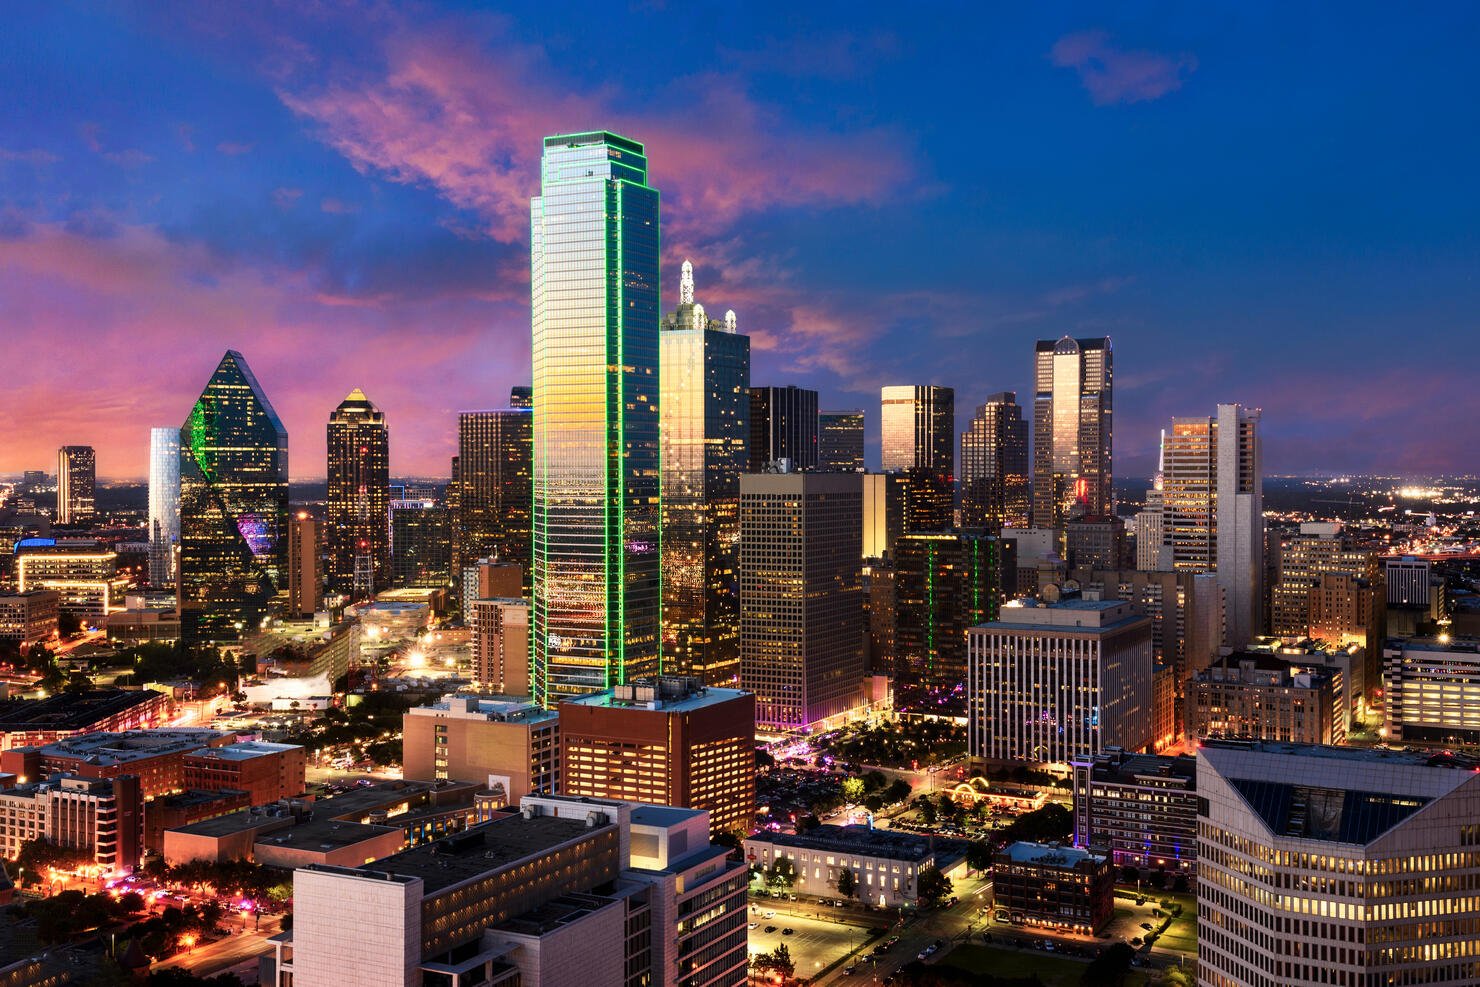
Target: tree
{"x": 1129, "y": 875}
{"x": 1109, "y": 968}
{"x": 1051, "y": 823}
{"x": 928, "y": 812}
{"x": 782, "y": 873}
{"x": 1180, "y": 885}
{"x": 932, "y": 886}
{"x": 52, "y": 679}
{"x": 873, "y": 802}
{"x": 898, "y": 791}
{"x": 68, "y": 624}
{"x": 979, "y": 855}
{"x": 779, "y": 961}
{"x": 847, "y": 884}
{"x": 853, "y": 790}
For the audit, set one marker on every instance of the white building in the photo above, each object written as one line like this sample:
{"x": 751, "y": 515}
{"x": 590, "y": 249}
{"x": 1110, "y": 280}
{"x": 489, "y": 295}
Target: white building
{"x": 1433, "y": 691}
{"x": 885, "y": 863}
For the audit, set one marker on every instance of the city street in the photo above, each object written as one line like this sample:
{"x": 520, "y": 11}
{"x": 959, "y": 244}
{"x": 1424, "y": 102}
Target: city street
{"x": 236, "y": 951}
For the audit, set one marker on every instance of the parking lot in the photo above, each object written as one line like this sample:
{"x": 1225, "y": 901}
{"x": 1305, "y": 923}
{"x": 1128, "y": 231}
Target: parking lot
{"x": 814, "y": 943}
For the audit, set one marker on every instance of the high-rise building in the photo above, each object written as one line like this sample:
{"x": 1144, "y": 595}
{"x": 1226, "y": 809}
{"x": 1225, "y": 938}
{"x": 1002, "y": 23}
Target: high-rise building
{"x": 927, "y": 499}
{"x": 917, "y": 428}
{"x": 421, "y": 544}
{"x": 494, "y": 461}
{"x": 164, "y": 505}
{"x": 883, "y": 513}
{"x": 501, "y": 645}
{"x": 783, "y": 425}
{"x": 705, "y": 417}
{"x": 1072, "y": 429}
{"x": 944, "y": 584}
{"x": 664, "y": 741}
{"x": 76, "y": 483}
{"x": 233, "y": 505}
{"x": 1432, "y": 687}
{"x": 1330, "y": 587}
{"x": 1335, "y": 865}
{"x": 1265, "y": 696}
{"x": 1058, "y": 683}
{"x": 801, "y": 596}
{"x": 1153, "y": 554}
{"x": 840, "y": 441}
{"x": 1095, "y": 540}
{"x": 1186, "y": 611}
{"x": 486, "y": 579}
{"x": 305, "y": 575}
{"x": 1213, "y": 503}
{"x": 994, "y": 466}
{"x": 594, "y": 287}
{"x": 1140, "y": 807}
{"x": 359, "y": 498}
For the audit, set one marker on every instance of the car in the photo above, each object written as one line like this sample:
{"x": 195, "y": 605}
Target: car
{"x": 786, "y": 932}
{"x": 755, "y": 925}
{"x": 770, "y": 928}
{"x": 1048, "y": 946}
{"x": 848, "y": 971}
{"x": 769, "y": 914}
{"x": 1145, "y": 925}
{"x": 986, "y": 937}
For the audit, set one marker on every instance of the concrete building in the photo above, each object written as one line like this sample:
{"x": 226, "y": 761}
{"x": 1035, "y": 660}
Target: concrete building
{"x": 1317, "y": 549}
{"x": 885, "y": 863}
{"x": 1336, "y": 865}
{"x": 1432, "y": 688}
{"x": 43, "y": 721}
{"x": 512, "y": 744}
{"x": 801, "y": 595}
{"x": 1140, "y": 808}
{"x": 83, "y": 573}
{"x": 304, "y": 581}
{"x": 665, "y": 741}
{"x": 1057, "y": 887}
{"x": 1096, "y": 541}
{"x": 155, "y": 757}
{"x": 488, "y": 579}
{"x": 1186, "y": 611}
{"x": 1056, "y": 683}
{"x": 501, "y": 646}
{"x": 266, "y": 772}
{"x": 29, "y": 617}
{"x": 1267, "y": 697}
{"x": 102, "y": 818}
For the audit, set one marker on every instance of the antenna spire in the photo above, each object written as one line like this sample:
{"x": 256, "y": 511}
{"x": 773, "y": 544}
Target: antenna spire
{"x": 686, "y": 284}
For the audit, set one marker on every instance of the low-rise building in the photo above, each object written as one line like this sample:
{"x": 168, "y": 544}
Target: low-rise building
{"x": 266, "y": 772}
{"x": 155, "y": 757}
{"x": 1433, "y": 691}
{"x": 34, "y": 722}
{"x": 513, "y": 744}
{"x": 29, "y": 617}
{"x": 885, "y": 863}
{"x": 1140, "y": 808}
{"x": 84, "y": 574}
{"x": 103, "y": 818}
{"x": 1263, "y": 696}
{"x": 1055, "y": 886}
{"x": 136, "y": 626}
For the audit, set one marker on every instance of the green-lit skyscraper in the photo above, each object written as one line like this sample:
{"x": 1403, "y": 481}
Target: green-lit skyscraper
{"x": 233, "y": 505}
{"x": 594, "y": 294}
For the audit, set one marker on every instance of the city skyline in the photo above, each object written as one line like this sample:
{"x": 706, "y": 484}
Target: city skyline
{"x": 304, "y": 219}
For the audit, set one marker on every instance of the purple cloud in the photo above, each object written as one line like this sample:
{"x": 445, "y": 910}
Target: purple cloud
{"x": 1119, "y": 75}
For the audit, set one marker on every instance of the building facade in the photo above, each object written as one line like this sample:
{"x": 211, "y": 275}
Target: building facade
{"x": 995, "y": 491}
{"x": 164, "y": 505}
{"x": 358, "y": 503}
{"x": 944, "y": 585}
{"x": 501, "y": 645}
{"x": 885, "y": 863}
{"x": 917, "y": 428}
{"x": 84, "y": 575}
{"x": 76, "y": 484}
{"x": 1072, "y": 429}
{"x": 1140, "y": 808}
{"x": 840, "y": 441}
{"x": 1432, "y": 688}
{"x": 304, "y": 579}
{"x": 511, "y": 744}
{"x": 1268, "y": 698}
{"x": 1096, "y": 541}
{"x": 783, "y": 425}
{"x": 1056, "y": 887}
{"x": 29, "y": 616}
{"x": 495, "y": 461}
{"x": 104, "y": 819}
{"x": 421, "y": 544}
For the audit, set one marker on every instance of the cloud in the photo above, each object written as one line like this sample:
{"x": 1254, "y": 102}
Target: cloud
{"x": 339, "y": 206}
{"x": 235, "y": 149}
{"x": 286, "y": 198}
{"x": 35, "y": 156}
{"x": 130, "y": 158}
{"x": 1120, "y": 75}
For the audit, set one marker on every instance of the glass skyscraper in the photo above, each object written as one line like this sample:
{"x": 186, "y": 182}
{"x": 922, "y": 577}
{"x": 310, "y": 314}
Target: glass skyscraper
{"x": 358, "y": 497}
{"x": 783, "y": 425}
{"x": 1072, "y": 403}
{"x": 840, "y": 441}
{"x": 705, "y": 412}
{"x": 164, "y": 505}
{"x": 595, "y": 310}
{"x": 233, "y": 506}
{"x": 76, "y": 484}
{"x": 494, "y": 497}
{"x": 994, "y": 465}
{"x": 917, "y": 428}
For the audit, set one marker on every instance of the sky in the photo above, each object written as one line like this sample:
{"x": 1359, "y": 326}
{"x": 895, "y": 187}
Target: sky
{"x": 1265, "y": 203}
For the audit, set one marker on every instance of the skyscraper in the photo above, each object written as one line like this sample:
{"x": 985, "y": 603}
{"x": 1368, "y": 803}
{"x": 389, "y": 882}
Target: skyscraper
{"x": 840, "y": 441}
{"x": 994, "y": 466}
{"x": 1213, "y": 509}
{"x": 304, "y": 582}
{"x": 359, "y": 498}
{"x": 917, "y": 428}
{"x": 164, "y": 505}
{"x": 1073, "y": 388}
{"x": 783, "y": 425}
{"x": 233, "y": 505}
{"x": 705, "y": 414}
{"x": 76, "y": 479}
{"x": 421, "y": 544}
{"x": 945, "y": 583}
{"x": 594, "y": 288}
{"x": 494, "y": 460}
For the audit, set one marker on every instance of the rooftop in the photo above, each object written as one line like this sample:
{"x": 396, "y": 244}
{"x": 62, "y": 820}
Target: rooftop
{"x": 72, "y": 710}
{"x": 1072, "y": 615}
{"x": 888, "y": 843}
{"x": 1128, "y": 767}
{"x": 1049, "y": 854}
{"x": 670, "y": 693}
{"x": 662, "y": 816}
{"x": 132, "y": 745}
{"x": 554, "y": 913}
{"x": 502, "y": 709}
{"x": 246, "y": 750}
{"x": 351, "y": 806}
{"x": 1370, "y": 755}
{"x": 486, "y": 847}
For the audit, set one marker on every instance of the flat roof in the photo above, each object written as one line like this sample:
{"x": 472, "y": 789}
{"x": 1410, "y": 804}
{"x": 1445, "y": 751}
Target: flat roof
{"x": 72, "y": 711}
{"x": 246, "y": 750}
{"x": 662, "y": 815}
{"x": 700, "y": 699}
{"x": 131, "y": 745}
{"x": 487, "y": 847}
{"x": 1049, "y": 855}
{"x": 888, "y": 843}
{"x": 1421, "y": 758}
{"x": 342, "y": 808}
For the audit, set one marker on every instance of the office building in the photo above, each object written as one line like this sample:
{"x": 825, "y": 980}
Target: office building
{"x": 359, "y": 498}
{"x": 1096, "y": 541}
{"x": 1267, "y": 697}
{"x": 83, "y": 573}
{"x": 486, "y": 579}
{"x": 1054, "y": 683}
{"x": 164, "y": 505}
{"x": 304, "y": 582}
{"x": 501, "y": 645}
{"x": 154, "y": 757}
{"x": 1336, "y": 865}
{"x": 1409, "y": 581}
{"x": 705, "y": 427}
{"x": 1153, "y": 553}
{"x": 233, "y": 506}
{"x": 1213, "y": 503}
{"x": 944, "y": 584}
{"x": 29, "y": 616}
{"x": 840, "y": 441}
{"x": 917, "y": 427}
{"x": 1344, "y": 610}
{"x": 1186, "y": 611}
{"x": 76, "y": 484}
{"x": 594, "y": 286}
{"x": 510, "y": 744}
{"x": 1432, "y": 688}
{"x": 1347, "y": 610}
{"x": 927, "y": 499}
{"x": 265, "y": 771}
{"x": 1139, "y": 808}
{"x": 883, "y": 513}
{"x": 495, "y": 457}
{"x": 801, "y": 595}
{"x": 994, "y": 466}
{"x": 664, "y": 741}
{"x": 1072, "y": 429}
{"x": 421, "y": 544}
{"x": 564, "y": 891}
{"x": 885, "y": 863}
{"x": 783, "y": 425}
{"x": 102, "y": 819}
{"x": 34, "y": 722}
{"x": 878, "y": 596}
{"x": 1057, "y": 887}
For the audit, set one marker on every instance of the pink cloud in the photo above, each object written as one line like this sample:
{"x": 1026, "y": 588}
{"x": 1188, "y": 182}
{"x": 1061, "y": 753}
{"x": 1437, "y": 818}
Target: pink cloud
{"x": 339, "y": 207}
{"x": 35, "y": 156}
{"x": 234, "y": 149}
{"x": 1120, "y": 75}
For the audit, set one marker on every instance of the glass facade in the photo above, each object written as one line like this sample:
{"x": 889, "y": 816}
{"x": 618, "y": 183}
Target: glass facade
{"x": 359, "y": 498}
{"x": 944, "y": 584}
{"x": 495, "y": 459}
{"x": 421, "y": 540}
{"x": 164, "y": 505}
{"x": 595, "y": 309}
{"x": 918, "y": 428}
{"x": 705, "y": 413}
{"x": 1071, "y": 429}
{"x": 76, "y": 482}
{"x": 783, "y": 425}
{"x": 840, "y": 441}
{"x": 233, "y": 505}
{"x": 994, "y": 466}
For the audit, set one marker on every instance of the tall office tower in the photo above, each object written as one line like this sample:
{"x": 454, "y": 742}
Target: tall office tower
{"x": 944, "y": 584}
{"x": 500, "y": 645}
{"x": 1058, "y": 683}
{"x": 704, "y": 409}
{"x": 801, "y": 595}
{"x": 1095, "y": 540}
{"x": 1186, "y": 611}
{"x": 1213, "y": 504}
{"x": 421, "y": 543}
{"x": 917, "y": 428}
{"x": 305, "y": 580}
{"x": 521, "y": 396}
{"x": 76, "y": 481}
{"x": 233, "y": 506}
{"x": 1335, "y": 865}
{"x": 994, "y": 466}
{"x": 494, "y": 460}
{"x": 594, "y": 287}
{"x": 883, "y": 513}
{"x": 164, "y": 505}
{"x": 1152, "y": 552}
{"x": 359, "y": 498}
{"x": 927, "y": 499}
{"x": 783, "y": 425}
{"x": 840, "y": 441}
{"x": 1073, "y": 391}
{"x": 664, "y": 741}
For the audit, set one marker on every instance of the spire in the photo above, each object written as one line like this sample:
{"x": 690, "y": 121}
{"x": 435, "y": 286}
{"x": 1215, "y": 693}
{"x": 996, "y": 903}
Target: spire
{"x": 686, "y": 284}
{"x": 730, "y": 321}
{"x": 700, "y": 320}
